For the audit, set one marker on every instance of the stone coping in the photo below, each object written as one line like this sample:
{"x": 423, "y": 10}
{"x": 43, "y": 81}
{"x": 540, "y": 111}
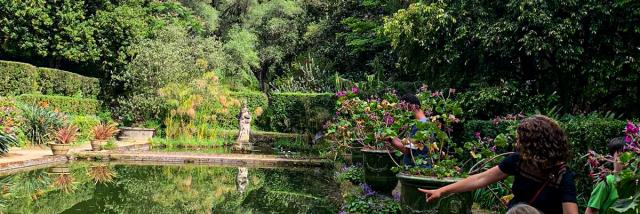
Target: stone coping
{"x": 195, "y": 158}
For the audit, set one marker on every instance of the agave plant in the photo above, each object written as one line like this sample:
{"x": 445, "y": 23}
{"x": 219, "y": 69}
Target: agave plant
{"x": 104, "y": 131}
{"x": 67, "y": 134}
{"x": 40, "y": 123}
{"x": 6, "y": 140}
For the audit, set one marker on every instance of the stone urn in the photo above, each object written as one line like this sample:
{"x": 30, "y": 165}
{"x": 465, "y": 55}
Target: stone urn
{"x": 377, "y": 170}
{"x": 59, "y": 149}
{"x": 96, "y": 145}
{"x": 413, "y": 201}
{"x": 135, "y": 134}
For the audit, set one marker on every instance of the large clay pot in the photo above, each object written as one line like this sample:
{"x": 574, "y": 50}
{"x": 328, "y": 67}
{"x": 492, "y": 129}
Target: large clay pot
{"x": 135, "y": 134}
{"x": 59, "y": 149}
{"x": 96, "y": 145}
{"x": 377, "y": 171}
{"x": 413, "y": 201}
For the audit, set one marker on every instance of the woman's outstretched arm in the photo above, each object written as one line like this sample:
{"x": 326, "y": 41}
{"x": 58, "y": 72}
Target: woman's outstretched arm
{"x": 470, "y": 183}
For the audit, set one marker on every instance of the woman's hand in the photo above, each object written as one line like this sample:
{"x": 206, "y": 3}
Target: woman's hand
{"x": 431, "y": 195}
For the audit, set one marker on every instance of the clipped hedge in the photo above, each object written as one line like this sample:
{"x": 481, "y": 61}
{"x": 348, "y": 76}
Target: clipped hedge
{"x": 59, "y": 82}
{"x": 71, "y": 105}
{"x": 256, "y": 101}
{"x": 20, "y": 78}
{"x": 297, "y": 112}
{"x": 17, "y": 78}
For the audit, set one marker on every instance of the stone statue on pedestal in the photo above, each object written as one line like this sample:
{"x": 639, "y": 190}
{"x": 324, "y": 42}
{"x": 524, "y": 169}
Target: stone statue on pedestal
{"x": 242, "y": 142}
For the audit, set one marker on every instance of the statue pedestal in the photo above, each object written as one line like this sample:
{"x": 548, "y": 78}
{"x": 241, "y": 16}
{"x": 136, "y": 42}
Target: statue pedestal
{"x": 242, "y": 146}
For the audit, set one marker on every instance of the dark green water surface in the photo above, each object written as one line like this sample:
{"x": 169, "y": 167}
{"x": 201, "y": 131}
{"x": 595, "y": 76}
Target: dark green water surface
{"x": 91, "y": 187}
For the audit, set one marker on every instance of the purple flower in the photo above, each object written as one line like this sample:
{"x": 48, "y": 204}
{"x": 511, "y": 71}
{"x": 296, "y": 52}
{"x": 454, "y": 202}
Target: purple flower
{"x": 396, "y": 196}
{"x": 388, "y": 119}
{"x": 477, "y": 135}
{"x": 341, "y": 93}
{"x": 366, "y": 190}
{"x": 493, "y": 148}
{"x": 631, "y": 128}
{"x": 354, "y": 89}
{"x": 342, "y": 212}
{"x": 628, "y": 139}
{"x": 337, "y": 113}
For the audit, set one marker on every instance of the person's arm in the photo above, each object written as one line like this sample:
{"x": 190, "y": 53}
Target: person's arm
{"x": 470, "y": 183}
{"x": 590, "y": 210}
{"x": 397, "y": 144}
{"x": 570, "y": 208}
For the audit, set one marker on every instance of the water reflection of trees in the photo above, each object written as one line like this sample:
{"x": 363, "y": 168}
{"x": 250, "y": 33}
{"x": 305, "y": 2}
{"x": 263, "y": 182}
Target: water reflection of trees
{"x": 105, "y": 188}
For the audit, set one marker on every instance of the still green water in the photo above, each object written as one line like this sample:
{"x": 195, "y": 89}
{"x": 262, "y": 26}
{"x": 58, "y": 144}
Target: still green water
{"x": 90, "y": 187}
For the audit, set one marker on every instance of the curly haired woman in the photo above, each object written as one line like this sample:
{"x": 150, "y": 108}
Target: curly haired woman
{"x": 542, "y": 179}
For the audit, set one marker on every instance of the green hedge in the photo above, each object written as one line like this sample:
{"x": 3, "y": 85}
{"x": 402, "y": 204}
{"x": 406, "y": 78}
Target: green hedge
{"x": 254, "y": 100}
{"x": 297, "y": 112}
{"x": 17, "y": 78}
{"x": 71, "y": 105}
{"x": 20, "y": 78}
{"x": 59, "y": 82}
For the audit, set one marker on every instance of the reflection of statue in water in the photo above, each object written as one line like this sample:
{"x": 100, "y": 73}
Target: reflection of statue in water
{"x": 242, "y": 142}
{"x": 242, "y": 179}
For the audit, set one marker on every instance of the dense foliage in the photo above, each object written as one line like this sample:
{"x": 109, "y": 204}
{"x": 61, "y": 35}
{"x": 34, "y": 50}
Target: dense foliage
{"x": 542, "y": 44}
{"x": 20, "y": 78}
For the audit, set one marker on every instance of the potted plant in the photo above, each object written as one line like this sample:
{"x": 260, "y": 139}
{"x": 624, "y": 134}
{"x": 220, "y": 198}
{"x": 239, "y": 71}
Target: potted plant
{"x": 440, "y": 166}
{"x": 63, "y": 139}
{"x": 101, "y": 133}
{"x": 340, "y": 130}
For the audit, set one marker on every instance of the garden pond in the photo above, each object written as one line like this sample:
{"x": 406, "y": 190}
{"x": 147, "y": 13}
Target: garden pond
{"x": 109, "y": 187}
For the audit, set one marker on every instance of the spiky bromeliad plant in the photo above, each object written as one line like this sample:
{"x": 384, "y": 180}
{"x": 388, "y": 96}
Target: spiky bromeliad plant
{"x": 104, "y": 131}
{"x": 66, "y": 134}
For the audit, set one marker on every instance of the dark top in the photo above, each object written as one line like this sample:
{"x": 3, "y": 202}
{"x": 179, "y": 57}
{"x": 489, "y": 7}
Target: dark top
{"x": 407, "y": 159}
{"x": 525, "y": 186}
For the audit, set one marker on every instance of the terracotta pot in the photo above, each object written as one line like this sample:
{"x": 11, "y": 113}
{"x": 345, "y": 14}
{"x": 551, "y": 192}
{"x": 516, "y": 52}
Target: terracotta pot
{"x": 413, "y": 201}
{"x": 59, "y": 149}
{"x": 377, "y": 171}
{"x": 96, "y": 145}
{"x": 135, "y": 134}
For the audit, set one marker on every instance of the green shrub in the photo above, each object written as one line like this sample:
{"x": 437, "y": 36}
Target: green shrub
{"x": 59, "y": 82}
{"x": 589, "y": 133}
{"x": 39, "y": 124}
{"x": 84, "y": 124}
{"x": 507, "y": 98}
{"x": 297, "y": 112}
{"x": 17, "y": 78}
{"x": 256, "y": 101}
{"x": 71, "y": 105}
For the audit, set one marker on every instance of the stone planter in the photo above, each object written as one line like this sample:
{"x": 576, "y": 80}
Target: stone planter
{"x": 356, "y": 154}
{"x": 377, "y": 171}
{"x": 59, "y": 149}
{"x": 135, "y": 134}
{"x": 413, "y": 201}
{"x": 96, "y": 145}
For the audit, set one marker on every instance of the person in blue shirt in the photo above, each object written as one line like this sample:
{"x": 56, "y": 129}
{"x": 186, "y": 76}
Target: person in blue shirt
{"x": 410, "y": 151}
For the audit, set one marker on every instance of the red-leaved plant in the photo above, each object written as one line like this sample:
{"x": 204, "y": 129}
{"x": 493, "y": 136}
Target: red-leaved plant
{"x": 66, "y": 134}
